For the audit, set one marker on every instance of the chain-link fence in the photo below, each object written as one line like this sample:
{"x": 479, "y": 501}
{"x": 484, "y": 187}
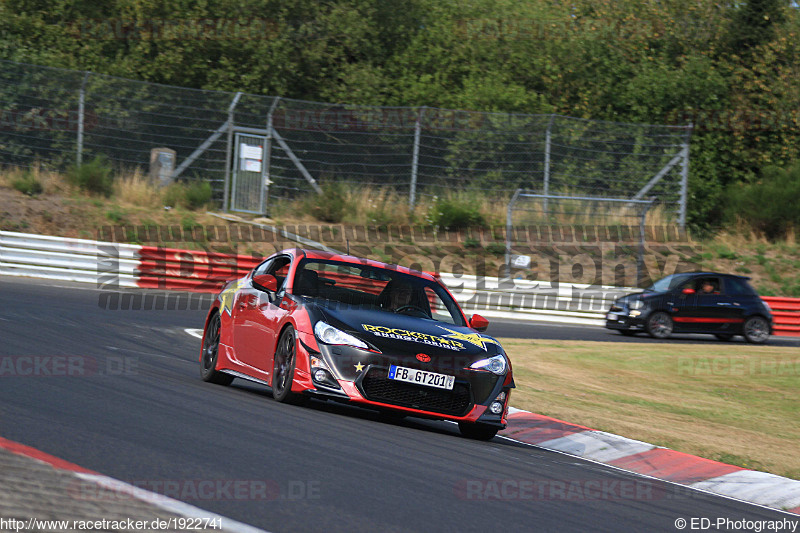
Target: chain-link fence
{"x": 59, "y": 117}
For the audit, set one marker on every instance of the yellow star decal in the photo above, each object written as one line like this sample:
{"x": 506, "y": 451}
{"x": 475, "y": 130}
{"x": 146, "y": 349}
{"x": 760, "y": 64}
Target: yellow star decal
{"x": 229, "y": 294}
{"x": 472, "y": 338}
{"x": 359, "y": 367}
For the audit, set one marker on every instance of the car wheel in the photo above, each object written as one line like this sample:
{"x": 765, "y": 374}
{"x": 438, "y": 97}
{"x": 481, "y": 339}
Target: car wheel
{"x": 283, "y": 369}
{"x": 724, "y": 336}
{"x": 756, "y": 330}
{"x": 659, "y": 325}
{"x": 477, "y": 431}
{"x": 208, "y": 361}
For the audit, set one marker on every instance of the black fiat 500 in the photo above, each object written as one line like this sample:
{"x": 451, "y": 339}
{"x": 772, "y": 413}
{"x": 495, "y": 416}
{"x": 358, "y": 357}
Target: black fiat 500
{"x": 722, "y": 305}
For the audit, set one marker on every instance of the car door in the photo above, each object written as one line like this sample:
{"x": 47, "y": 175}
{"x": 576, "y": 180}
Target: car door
{"x": 741, "y": 299}
{"x": 258, "y": 316}
{"x": 711, "y": 310}
{"x": 682, "y": 305}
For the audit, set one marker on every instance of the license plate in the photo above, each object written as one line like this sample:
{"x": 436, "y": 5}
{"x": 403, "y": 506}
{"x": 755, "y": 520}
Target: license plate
{"x": 421, "y": 377}
{"x": 612, "y": 316}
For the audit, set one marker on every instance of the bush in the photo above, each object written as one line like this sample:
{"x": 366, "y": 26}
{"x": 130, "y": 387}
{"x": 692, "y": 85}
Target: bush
{"x": 198, "y": 194}
{"x": 770, "y": 205}
{"x": 28, "y": 184}
{"x": 93, "y": 177}
{"x": 188, "y": 195}
{"x": 330, "y": 206}
{"x": 456, "y": 212}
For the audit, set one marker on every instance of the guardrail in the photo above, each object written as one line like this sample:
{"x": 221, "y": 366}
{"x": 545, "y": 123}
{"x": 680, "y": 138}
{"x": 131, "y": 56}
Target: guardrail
{"x": 786, "y": 312}
{"x": 127, "y": 265}
{"x": 57, "y": 258}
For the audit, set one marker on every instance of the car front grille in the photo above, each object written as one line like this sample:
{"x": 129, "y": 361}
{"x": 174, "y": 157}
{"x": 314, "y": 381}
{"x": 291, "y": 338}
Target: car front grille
{"x": 377, "y": 387}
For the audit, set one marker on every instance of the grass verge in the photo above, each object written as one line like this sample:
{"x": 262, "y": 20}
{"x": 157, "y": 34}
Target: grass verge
{"x": 731, "y": 403}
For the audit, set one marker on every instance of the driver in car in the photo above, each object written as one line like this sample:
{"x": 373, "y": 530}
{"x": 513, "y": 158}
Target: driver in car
{"x": 400, "y": 296}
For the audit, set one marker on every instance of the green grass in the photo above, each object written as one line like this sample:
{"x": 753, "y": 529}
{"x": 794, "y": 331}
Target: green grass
{"x": 734, "y": 402}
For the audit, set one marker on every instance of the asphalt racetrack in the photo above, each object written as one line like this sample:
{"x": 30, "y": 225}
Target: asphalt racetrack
{"x": 138, "y": 411}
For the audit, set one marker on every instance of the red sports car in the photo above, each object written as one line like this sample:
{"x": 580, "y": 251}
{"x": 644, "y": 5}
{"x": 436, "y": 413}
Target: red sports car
{"x": 311, "y": 324}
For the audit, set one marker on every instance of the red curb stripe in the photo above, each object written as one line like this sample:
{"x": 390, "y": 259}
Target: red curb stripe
{"x": 796, "y": 510}
{"x": 533, "y": 429}
{"x": 674, "y": 466}
{"x": 33, "y": 453}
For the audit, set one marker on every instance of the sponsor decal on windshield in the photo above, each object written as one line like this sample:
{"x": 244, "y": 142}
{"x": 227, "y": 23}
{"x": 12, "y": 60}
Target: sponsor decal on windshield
{"x": 413, "y": 336}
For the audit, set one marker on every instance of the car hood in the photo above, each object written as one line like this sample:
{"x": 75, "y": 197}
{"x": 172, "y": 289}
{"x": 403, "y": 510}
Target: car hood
{"x": 646, "y": 295}
{"x": 404, "y": 335}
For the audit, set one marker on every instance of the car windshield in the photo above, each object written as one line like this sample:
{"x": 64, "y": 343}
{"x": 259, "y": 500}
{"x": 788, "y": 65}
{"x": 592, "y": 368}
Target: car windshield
{"x": 337, "y": 283}
{"x": 668, "y": 283}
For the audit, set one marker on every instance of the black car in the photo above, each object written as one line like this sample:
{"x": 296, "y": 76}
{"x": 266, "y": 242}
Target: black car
{"x": 723, "y": 305}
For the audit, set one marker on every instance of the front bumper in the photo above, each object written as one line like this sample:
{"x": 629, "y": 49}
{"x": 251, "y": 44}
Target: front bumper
{"x": 623, "y": 321}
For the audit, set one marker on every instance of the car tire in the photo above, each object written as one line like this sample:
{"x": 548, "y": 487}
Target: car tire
{"x": 756, "y": 330}
{"x": 659, "y": 325}
{"x": 283, "y": 367}
{"x": 210, "y": 353}
{"x": 477, "y": 431}
{"x": 724, "y": 336}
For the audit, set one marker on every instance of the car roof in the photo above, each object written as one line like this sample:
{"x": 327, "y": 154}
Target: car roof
{"x": 698, "y": 274}
{"x": 318, "y": 254}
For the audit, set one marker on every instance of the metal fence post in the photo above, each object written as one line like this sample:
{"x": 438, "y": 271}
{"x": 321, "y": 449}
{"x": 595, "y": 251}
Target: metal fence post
{"x": 684, "y": 179}
{"x": 640, "y": 255}
{"x": 81, "y": 104}
{"x": 509, "y": 223}
{"x": 547, "y": 163}
{"x": 268, "y": 154}
{"x": 412, "y": 193}
{"x": 227, "y": 187}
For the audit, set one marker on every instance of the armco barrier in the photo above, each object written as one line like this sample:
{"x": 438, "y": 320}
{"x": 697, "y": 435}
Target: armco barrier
{"x": 126, "y": 265}
{"x": 786, "y": 312}
{"x": 57, "y": 258}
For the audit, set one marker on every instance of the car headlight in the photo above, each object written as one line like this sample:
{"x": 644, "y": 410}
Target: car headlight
{"x": 495, "y": 365}
{"x": 330, "y": 335}
{"x": 637, "y": 304}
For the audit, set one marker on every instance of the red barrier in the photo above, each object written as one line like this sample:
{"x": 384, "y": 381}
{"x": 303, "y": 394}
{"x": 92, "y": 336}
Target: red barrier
{"x": 190, "y": 270}
{"x": 196, "y": 270}
{"x": 786, "y": 312}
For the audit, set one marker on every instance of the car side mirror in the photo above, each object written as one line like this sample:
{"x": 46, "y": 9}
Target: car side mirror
{"x": 477, "y": 322}
{"x": 687, "y": 290}
{"x": 266, "y": 282}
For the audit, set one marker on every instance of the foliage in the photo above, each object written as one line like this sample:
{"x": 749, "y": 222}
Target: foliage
{"x": 28, "y": 184}
{"x": 193, "y": 195}
{"x": 770, "y": 205}
{"x": 456, "y": 212}
{"x": 198, "y": 194}
{"x": 730, "y": 68}
{"x": 93, "y": 177}
{"x": 331, "y": 206}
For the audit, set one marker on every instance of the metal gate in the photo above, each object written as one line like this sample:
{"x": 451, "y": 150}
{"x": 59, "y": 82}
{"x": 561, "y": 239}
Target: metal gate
{"x": 250, "y": 174}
